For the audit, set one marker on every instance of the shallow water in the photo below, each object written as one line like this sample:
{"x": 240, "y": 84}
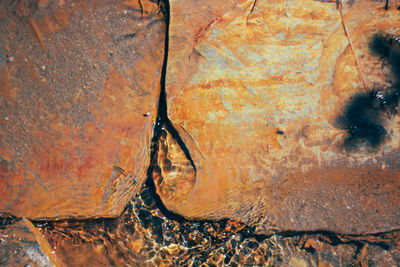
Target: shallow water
{"x": 143, "y": 235}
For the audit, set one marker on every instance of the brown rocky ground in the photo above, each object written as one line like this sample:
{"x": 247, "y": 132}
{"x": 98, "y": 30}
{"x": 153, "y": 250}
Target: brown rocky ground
{"x": 79, "y": 87}
{"x": 279, "y": 146}
{"x": 283, "y": 114}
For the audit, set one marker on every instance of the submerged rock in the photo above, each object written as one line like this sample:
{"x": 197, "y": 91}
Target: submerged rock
{"x": 163, "y": 241}
{"x": 79, "y": 87}
{"x": 280, "y": 115}
{"x": 21, "y": 244}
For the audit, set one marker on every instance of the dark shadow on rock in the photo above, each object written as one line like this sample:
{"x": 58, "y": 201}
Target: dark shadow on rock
{"x": 363, "y": 122}
{"x": 365, "y": 116}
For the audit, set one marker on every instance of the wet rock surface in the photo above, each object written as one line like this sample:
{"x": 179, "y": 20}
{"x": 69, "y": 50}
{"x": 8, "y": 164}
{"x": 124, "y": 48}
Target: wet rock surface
{"x": 315, "y": 190}
{"x": 147, "y": 236}
{"x": 283, "y": 115}
{"x": 21, "y": 244}
{"x": 79, "y": 86}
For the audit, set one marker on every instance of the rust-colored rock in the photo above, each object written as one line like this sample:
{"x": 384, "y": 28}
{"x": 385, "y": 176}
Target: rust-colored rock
{"x": 21, "y": 244}
{"x": 288, "y": 110}
{"x": 79, "y": 86}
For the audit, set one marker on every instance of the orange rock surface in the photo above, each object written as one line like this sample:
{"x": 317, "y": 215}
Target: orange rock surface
{"x": 288, "y": 110}
{"x": 79, "y": 88}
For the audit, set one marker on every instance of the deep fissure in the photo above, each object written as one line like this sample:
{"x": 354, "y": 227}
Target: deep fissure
{"x": 162, "y": 113}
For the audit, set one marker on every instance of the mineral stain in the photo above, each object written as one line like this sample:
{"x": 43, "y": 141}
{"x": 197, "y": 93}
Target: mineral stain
{"x": 388, "y": 48}
{"x": 367, "y": 113}
{"x": 362, "y": 122}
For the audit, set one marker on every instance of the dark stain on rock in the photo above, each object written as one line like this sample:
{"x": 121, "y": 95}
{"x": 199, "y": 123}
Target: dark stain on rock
{"x": 363, "y": 122}
{"x": 387, "y": 46}
{"x": 366, "y": 114}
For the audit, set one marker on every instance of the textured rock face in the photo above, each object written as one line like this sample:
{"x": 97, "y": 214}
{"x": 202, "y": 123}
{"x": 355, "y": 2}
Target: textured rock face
{"x": 288, "y": 114}
{"x": 77, "y": 78}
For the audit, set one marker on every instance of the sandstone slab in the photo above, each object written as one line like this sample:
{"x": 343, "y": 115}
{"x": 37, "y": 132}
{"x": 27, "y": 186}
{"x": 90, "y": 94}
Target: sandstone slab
{"x": 78, "y": 92}
{"x": 283, "y": 114}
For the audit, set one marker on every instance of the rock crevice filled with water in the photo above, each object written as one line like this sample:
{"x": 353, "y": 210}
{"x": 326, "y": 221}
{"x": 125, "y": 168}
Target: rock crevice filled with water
{"x": 187, "y": 133}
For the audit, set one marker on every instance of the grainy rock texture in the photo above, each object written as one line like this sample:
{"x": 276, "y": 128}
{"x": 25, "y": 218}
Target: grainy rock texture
{"x": 79, "y": 87}
{"x": 288, "y": 114}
